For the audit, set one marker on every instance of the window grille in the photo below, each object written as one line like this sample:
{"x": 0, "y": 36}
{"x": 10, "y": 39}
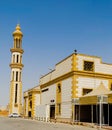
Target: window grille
{"x": 88, "y": 66}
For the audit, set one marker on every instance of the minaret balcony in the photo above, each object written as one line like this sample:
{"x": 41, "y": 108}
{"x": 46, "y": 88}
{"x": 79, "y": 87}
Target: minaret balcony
{"x": 17, "y": 50}
{"x": 16, "y": 65}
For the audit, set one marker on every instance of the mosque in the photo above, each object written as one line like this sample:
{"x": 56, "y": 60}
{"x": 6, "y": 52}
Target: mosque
{"x": 78, "y": 89}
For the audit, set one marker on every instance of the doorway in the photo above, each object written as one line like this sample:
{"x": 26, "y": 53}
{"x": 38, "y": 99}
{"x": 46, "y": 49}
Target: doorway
{"x": 29, "y": 114}
{"x": 52, "y": 112}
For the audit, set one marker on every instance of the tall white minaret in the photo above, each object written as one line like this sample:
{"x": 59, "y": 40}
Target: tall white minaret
{"x": 15, "y": 103}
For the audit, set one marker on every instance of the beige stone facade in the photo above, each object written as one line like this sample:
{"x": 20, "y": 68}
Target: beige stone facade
{"x": 72, "y": 78}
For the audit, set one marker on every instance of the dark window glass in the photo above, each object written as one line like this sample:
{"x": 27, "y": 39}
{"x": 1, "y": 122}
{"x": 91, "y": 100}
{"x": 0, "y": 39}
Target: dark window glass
{"x": 16, "y": 88}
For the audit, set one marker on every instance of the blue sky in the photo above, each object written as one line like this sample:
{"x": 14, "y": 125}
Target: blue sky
{"x": 52, "y": 30}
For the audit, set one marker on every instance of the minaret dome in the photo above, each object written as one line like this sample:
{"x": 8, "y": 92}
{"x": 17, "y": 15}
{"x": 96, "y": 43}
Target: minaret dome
{"x": 17, "y": 31}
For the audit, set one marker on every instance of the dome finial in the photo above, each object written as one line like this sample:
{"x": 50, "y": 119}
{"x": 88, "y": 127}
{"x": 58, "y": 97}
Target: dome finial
{"x": 17, "y": 30}
{"x": 18, "y": 27}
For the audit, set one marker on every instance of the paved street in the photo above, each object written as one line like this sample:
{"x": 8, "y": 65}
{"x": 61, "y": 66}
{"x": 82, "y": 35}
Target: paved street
{"x": 26, "y": 124}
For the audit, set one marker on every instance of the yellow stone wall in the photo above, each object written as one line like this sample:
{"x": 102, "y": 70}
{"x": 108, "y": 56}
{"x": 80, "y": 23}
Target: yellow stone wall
{"x": 31, "y": 96}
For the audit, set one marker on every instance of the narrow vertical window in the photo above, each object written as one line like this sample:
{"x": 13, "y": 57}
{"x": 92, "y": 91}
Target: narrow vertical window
{"x": 20, "y": 77}
{"x": 20, "y": 59}
{"x": 59, "y": 88}
{"x": 17, "y": 58}
{"x": 13, "y": 75}
{"x": 59, "y": 109}
{"x": 18, "y": 43}
{"x": 14, "y": 43}
{"x": 16, "y": 88}
{"x": 30, "y": 104}
{"x": 16, "y": 75}
{"x": 111, "y": 87}
{"x": 13, "y": 58}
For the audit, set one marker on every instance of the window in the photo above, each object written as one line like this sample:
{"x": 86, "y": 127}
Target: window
{"x": 17, "y": 58}
{"x": 16, "y": 88}
{"x": 17, "y": 43}
{"x": 30, "y": 96}
{"x": 13, "y": 58}
{"x": 88, "y": 66}
{"x": 20, "y": 77}
{"x": 30, "y": 104}
{"x": 111, "y": 87}
{"x": 59, "y": 88}
{"x": 17, "y": 76}
{"x": 86, "y": 91}
{"x": 45, "y": 90}
{"x": 59, "y": 109}
{"x": 13, "y": 75}
{"x": 20, "y": 59}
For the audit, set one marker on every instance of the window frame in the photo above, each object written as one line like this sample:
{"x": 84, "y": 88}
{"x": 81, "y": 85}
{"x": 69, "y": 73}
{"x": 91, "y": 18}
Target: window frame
{"x": 87, "y": 67}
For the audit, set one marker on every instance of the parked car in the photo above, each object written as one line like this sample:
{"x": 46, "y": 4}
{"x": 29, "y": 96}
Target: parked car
{"x": 14, "y": 115}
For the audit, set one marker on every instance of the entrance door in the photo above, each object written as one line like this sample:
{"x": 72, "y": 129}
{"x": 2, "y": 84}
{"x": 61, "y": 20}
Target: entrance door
{"x": 77, "y": 112}
{"x": 52, "y": 112}
{"x": 29, "y": 114}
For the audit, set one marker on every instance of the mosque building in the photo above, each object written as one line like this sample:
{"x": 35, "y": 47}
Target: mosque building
{"x": 74, "y": 88}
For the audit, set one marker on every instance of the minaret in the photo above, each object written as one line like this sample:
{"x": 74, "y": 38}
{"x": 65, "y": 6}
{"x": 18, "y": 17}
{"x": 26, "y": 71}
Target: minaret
{"x": 15, "y": 104}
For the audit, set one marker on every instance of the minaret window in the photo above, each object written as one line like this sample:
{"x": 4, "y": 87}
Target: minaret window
{"x": 13, "y": 75}
{"x": 17, "y": 43}
{"x": 16, "y": 76}
{"x": 21, "y": 59}
{"x": 16, "y": 88}
{"x": 17, "y": 58}
{"x": 20, "y": 77}
{"x": 14, "y": 43}
{"x": 13, "y": 58}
